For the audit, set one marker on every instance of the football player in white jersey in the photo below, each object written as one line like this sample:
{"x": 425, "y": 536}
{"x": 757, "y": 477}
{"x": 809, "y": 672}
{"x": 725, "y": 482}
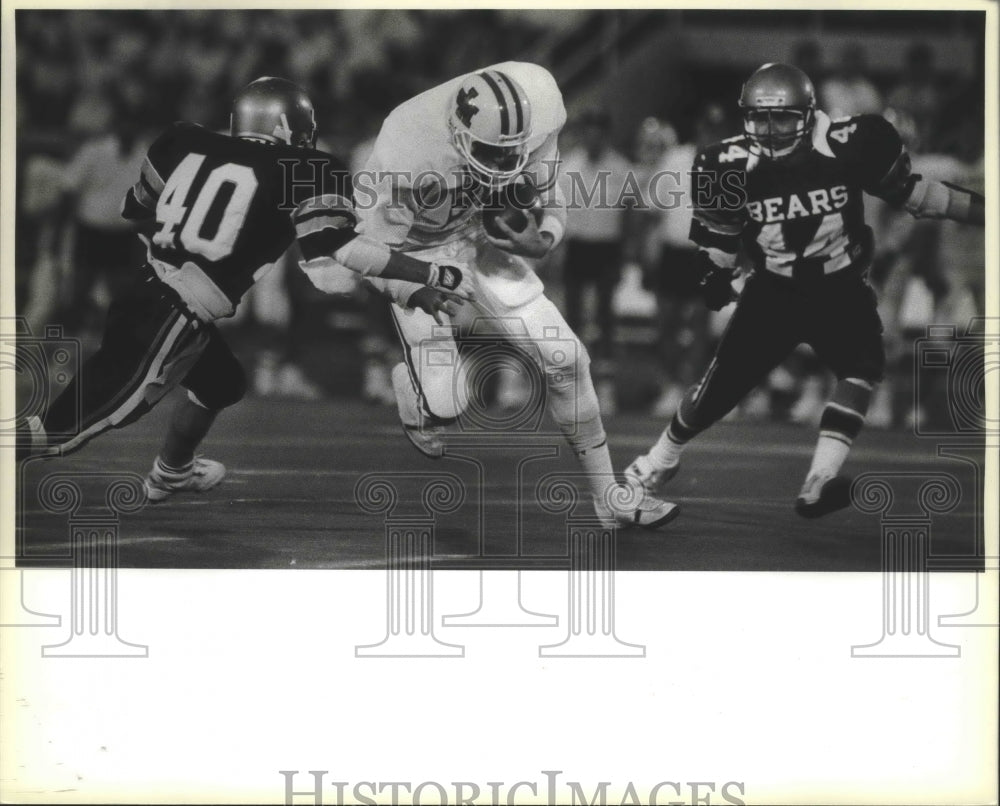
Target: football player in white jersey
{"x": 436, "y": 161}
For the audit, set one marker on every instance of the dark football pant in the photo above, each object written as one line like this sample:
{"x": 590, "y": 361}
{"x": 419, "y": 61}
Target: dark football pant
{"x": 596, "y": 263}
{"x": 151, "y": 344}
{"x": 836, "y": 316}
{"x": 98, "y": 253}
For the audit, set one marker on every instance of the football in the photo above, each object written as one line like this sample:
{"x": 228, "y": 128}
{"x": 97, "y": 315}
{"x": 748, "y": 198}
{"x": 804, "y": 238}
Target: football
{"x": 512, "y": 204}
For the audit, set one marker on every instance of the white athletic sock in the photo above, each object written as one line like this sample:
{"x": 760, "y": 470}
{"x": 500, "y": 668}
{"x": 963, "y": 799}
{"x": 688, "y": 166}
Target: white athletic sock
{"x": 174, "y": 471}
{"x": 665, "y": 452}
{"x": 830, "y": 455}
{"x": 596, "y": 463}
{"x": 590, "y": 444}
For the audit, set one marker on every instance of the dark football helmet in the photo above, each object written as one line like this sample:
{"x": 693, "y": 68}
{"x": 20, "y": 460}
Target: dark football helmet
{"x": 274, "y": 110}
{"x": 779, "y": 110}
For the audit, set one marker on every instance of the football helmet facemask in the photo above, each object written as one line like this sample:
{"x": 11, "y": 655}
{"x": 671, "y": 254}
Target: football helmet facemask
{"x": 779, "y": 110}
{"x": 490, "y": 123}
{"x": 276, "y": 111}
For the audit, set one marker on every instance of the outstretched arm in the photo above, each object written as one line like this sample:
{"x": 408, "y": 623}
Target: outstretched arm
{"x": 931, "y": 199}
{"x": 928, "y": 198}
{"x": 325, "y": 229}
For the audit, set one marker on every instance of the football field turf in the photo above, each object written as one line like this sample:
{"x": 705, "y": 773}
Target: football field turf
{"x": 291, "y": 498}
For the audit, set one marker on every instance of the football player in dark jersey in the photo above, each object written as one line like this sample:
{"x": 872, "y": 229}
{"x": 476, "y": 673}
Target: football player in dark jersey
{"x": 787, "y": 195}
{"x": 216, "y": 211}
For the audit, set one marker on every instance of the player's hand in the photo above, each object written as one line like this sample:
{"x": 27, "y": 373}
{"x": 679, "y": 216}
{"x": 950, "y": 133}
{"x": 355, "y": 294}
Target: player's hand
{"x": 717, "y": 288}
{"x": 435, "y": 302}
{"x": 451, "y": 279}
{"x": 529, "y": 242}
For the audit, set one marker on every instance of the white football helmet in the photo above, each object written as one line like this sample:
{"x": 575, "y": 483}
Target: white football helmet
{"x": 490, "y": 121}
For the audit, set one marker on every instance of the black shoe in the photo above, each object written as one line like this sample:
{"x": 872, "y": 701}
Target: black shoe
{"x": 821, "y": 495}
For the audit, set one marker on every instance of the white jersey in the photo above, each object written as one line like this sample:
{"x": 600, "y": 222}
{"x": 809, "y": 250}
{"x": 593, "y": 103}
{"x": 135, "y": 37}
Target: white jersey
{"x": 413, "y": 195}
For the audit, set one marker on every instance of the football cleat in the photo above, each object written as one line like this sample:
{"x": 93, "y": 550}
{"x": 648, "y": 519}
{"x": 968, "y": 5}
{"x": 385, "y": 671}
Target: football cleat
{"x": 161, "y": 483}
{"x": 424, "y": 437}
{"x": 652, "y": 479}
{"x": 634, "y": 508}
{"x": 823, "y": 494}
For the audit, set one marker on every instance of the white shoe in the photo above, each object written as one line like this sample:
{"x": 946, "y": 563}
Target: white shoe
{"x": 203, "y": 475}
{"x": 629, "y": 506}
{"x": 425, "y": 438}
{"x": 822, "y": 494}
{"x": 651, "y": 478}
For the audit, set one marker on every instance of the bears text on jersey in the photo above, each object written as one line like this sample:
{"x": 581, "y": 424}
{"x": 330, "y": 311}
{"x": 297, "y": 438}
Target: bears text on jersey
{"x": 785, "y": 208}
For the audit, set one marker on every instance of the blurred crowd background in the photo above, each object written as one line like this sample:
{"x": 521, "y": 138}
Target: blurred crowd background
{"x": 643, "y": 90}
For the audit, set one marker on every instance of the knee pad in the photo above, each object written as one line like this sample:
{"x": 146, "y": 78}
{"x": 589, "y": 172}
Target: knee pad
{"x": 572, "y": 397}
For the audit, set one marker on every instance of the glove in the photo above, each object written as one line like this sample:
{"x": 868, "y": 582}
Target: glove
{"x": 716, "y": 288}
{"x": 449, "y": 278}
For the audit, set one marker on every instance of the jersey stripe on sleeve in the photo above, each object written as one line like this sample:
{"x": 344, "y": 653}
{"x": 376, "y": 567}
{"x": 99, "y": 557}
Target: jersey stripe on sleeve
{"x": 323, "y": 224}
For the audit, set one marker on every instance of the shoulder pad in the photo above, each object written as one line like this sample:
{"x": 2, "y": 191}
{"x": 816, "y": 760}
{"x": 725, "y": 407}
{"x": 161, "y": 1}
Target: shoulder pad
{"x": 182, "y": 128}
{"x": 333, "y": 163}
{"x": 729, "y": 153}
{"x": 869, "y": 142}
{"x": 164, "y": 148}
{"x": 337, "y": 165}
{"x": 409, "y": 148}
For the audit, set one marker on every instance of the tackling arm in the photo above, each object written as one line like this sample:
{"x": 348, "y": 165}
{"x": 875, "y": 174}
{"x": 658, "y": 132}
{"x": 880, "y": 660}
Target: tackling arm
{"x": 931, "y": 199}
{"x": 325, "y": 228}
{"x": 900, "y": 187}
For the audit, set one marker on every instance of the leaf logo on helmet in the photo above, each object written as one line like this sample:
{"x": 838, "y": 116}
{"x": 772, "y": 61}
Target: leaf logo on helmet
{"x": 465, "y": 110}
{"x": 490, "y": 124}
{"x": 276, "y": 111}
{"x": 779, "y": 109}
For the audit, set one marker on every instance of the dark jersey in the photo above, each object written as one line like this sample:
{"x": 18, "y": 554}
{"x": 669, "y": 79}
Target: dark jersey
{"x": 802, "y": 217}
{"x": 232, "y": 206}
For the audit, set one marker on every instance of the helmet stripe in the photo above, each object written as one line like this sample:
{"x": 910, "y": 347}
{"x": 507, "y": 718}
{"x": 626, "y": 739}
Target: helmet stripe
{"x": 504, "y": 111}
{"x": 518, "y": 104}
